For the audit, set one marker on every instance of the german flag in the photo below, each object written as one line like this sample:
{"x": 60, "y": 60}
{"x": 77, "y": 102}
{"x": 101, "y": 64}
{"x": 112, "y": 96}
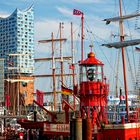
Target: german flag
{"x": 66, "y": 90}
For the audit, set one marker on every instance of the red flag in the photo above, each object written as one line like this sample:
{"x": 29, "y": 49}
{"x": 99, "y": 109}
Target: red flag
{"x": 137, "y": 49}
{"x": 71, "y": 66}
{"x": 77, "y": 12}
{"x": 40, "y": 95}
{"x": 122, "y": 97}
{"x": 7, "y": 101}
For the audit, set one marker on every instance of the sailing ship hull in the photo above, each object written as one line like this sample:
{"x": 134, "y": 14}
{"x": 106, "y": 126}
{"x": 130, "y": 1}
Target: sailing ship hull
{"x": 128, "y": 131}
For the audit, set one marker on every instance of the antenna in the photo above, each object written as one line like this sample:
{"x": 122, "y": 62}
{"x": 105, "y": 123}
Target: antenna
{"x": 91, "y": 46}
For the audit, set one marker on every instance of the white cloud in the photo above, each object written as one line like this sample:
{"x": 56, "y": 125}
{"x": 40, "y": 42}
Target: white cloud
{"x": 3, "y": 14}
{"x": 64, "y": 11}
{"x": 44, "y": 29}
{"x": 87, "y": 1}
{"x": 84, "y": 1}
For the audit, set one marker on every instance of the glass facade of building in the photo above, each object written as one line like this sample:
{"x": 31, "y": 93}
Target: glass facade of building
{"x": 1, "y": 80}
{"x": 17, "y": 41}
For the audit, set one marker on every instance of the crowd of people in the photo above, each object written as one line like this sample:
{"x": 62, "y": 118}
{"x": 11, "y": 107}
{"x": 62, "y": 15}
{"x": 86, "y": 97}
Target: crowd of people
{"x": 12, "y": 134}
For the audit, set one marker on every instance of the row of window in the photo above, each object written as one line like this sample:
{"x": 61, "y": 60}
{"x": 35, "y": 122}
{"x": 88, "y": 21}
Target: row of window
{"x": 7, "y": 44}
{"x": 11, "y": 32}
{"x": 29, "y": 18}
{"x": 11, "y": 20}
{"x": 25, "y": 43}
{"x": 27, "y": 28}
{"x": 8, "y": 28}
{"x": 19, "y": 31}
{"x": 7, "y": 37}
{"x": 29, "y": 15}
{"x": 24, "y": 23}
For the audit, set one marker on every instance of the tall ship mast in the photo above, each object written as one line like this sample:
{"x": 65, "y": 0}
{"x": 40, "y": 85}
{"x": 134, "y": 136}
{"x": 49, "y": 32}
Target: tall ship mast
{"x": 122, "y": 44}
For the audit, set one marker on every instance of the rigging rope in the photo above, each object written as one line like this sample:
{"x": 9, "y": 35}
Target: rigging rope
{"x": 133, "y": 71}
{"x": 137, "y": 18}
{"x": 138, "y": 74}
{"x": 117, "y": 72}
{"x": 95, "y": 36}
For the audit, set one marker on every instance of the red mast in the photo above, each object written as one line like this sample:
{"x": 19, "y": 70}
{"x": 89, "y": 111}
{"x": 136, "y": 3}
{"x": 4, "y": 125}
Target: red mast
{"x": 79, "y": 13}
{"x": 123, "y": 60}
{"x": 82, "y": 37}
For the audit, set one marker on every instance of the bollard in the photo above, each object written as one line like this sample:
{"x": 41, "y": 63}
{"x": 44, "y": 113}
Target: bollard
{"x": 72, "y": 129}
{"x": 87, "y": 128}
{"x": 76, "y": 129}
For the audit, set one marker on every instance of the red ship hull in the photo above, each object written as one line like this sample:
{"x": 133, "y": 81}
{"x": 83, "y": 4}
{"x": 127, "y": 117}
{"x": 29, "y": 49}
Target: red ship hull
{"x": 128, "y": 131}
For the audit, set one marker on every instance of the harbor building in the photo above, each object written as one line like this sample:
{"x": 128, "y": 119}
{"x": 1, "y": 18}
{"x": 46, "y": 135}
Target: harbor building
{"x": 17, "y": 50}
{"x": 17, "y": 37}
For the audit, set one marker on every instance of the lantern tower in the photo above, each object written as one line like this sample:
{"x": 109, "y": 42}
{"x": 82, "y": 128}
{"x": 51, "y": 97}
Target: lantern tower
{"x": 93, "y": 90}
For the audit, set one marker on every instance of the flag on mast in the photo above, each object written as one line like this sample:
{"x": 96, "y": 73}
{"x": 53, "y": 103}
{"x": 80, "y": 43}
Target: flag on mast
{"x": 66, "y": 90}
{"x": 77, "y": 12}
{"x": 40, "y": 96}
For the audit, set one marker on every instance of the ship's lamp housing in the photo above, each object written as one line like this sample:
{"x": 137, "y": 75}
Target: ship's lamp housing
{"x": 91, "y": 69}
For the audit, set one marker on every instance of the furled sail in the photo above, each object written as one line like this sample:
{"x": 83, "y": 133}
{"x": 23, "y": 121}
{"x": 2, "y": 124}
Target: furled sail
{"x": 121, "y": 18}
{"x": 118, "y": 45}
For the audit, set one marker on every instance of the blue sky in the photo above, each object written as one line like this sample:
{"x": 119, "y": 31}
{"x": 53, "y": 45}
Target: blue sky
{"x": 48, "y": 14}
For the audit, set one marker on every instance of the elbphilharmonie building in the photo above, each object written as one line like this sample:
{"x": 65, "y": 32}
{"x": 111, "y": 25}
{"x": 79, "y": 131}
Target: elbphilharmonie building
{"x": 17, "y": 41}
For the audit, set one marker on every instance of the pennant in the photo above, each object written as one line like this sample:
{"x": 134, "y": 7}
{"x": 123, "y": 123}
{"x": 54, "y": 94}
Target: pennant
{"x": 39, "y": 96}
{"x": 77, "y": 12}
{"x": 71, "y": 67}
{"x": 122, "y": 97}
{"x": 7, "y": 101}
{"x": 66, "y": 91}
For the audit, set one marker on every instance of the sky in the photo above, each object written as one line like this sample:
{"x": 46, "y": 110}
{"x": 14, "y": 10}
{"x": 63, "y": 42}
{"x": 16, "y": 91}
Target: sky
{"x": 49, "y": 13}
